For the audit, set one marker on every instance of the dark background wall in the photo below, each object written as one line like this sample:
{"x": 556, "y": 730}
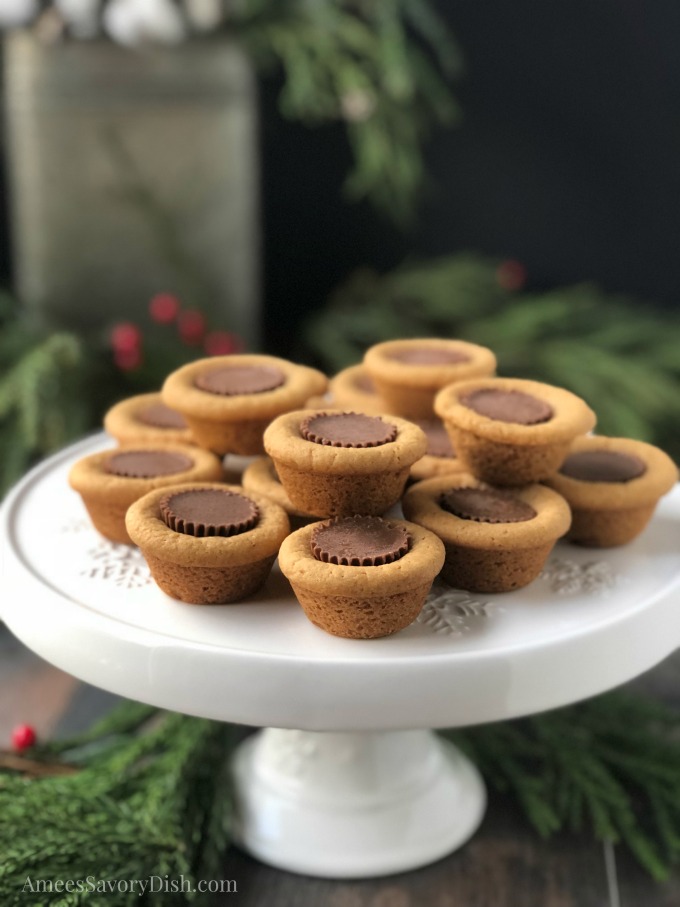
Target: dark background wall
{"x": 568, "y": 158}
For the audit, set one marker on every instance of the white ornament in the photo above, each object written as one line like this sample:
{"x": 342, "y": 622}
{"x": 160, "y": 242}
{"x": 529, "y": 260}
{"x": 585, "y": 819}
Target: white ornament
{"x": 134, "y": 22}
{"x": 14, "y": 13}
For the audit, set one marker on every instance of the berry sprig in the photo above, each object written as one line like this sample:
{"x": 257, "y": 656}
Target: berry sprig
{"x": 23, "y": 738}
{"x": 191, "y": 329}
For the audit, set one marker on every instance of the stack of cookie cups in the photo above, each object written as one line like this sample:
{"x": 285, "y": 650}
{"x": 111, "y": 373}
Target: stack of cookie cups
{"x": 511, "y": 431}
{"x": 228, "y": 401}
{"x": 408, "y": 374}
{"x": 356, "y": 573}
{"x": 111, "y": 480}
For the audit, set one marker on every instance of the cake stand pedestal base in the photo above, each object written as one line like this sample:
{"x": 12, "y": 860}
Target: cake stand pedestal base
{"x": 353, "y": 805}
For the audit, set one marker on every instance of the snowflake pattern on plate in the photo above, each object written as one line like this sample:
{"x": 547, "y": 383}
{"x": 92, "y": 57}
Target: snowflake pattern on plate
{"x": 566, "y": 577}
{"x": 75, "y": 526}
{"x": 452, "y": 612}
{"x": 121, "y": 564}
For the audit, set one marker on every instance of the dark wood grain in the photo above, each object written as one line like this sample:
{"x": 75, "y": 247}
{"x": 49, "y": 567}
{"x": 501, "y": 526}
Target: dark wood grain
{"x": 504, "y": 865}
{"x": 31, "y": 690}
{"x": 636, "y": 889}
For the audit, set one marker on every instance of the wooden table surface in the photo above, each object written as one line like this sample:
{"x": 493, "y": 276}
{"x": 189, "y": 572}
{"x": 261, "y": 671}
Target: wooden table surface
{"x": 504, "y": 865}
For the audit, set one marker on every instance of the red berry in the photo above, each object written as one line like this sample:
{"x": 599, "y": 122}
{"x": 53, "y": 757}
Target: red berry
{"x": 164, "y": 308}
{"x": 191, "y": 326}
{"x": 23, "y": 737}
{"x": 222, "y": 343}
{"x": 127, "y": 360}
{"x": 511, "y": 275}
{"x": 125, "y": 337}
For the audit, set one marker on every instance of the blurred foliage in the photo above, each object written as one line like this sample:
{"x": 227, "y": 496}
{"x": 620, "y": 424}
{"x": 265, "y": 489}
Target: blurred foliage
{"x": 55, "y": 387}
{"x": 40, "y": 403}
{"x": 381, "y": 67}
{"x": 620, "y": 355}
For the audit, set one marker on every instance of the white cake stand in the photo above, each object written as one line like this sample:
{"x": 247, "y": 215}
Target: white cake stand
{"x": 347, "y": 780}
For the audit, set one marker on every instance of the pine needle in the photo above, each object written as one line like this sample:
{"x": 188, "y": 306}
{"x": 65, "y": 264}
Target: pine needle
{"x": 610, "y": 766}
{"x": 151, "y": 798}
{"x": 619, "y": 355}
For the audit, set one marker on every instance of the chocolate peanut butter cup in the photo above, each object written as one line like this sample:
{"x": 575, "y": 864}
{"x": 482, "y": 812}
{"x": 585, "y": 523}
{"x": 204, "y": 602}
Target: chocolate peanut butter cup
{"x": 428, "y": 356}
{"x": 485, "y": 505}
{"x": 147, "y": 464}
{"x": 204, "y": 512}
{"x": 495, "y": 541}
{"x": 512, "y": 431}
{"x": 440, "y": 457}
{"x": 145, "y": 419}
{"x": 207, "y": 544}
{"x": 438, "y": 442}
{"x": 508, "y": 406}
{"x": 334, "y": 463}
{"x": 228, "y": 401}
{"x": 158, "y": 415}
{"x": 603, "y": 466}
{"x": 243, "y": 379}
{"x": 359, "y": 541}
{"x": 359, "y": 577}
{"x": 613, "y": 486}
{"x": 111, "y": 480}
{"x": 354, "y": 430}
{"x": 365, "y": 383}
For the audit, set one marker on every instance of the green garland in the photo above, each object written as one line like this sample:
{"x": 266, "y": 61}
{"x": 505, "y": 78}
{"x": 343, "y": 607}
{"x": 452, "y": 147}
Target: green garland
{"x": 147, "y": 793}
{"x": 610, "y": 765}
{"x": 620, "y": 355}
{"x": 144, "y": 794}
{"x": 383, "y": 68}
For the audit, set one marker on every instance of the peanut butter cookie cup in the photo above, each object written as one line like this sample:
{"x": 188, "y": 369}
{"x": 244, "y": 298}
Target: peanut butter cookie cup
{"x": 228, "y": 401}
{"x": 260, "y": 477}
{"x": 361, "y": 577}
{"x": 408, "y": 373}
{"x": 511, "y": 431}
{"x": 440, "y": 458}
{"x": 496, "y": 540}
{"x": 334, "y": 463}
{"x": 207, "y": 543}
{"x": 613, "y": 486}
{"x": 110, "y": 481}
{"x": 145, "y": 418}
{"x": 353, "y": 388}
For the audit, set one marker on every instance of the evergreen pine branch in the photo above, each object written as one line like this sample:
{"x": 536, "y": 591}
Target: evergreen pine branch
{"x": 619, "y": 355}
{"x": 38, "y": 410}
{"x": 153, "y": 790}
{"x": 611, "y": 765}
{"x": 151, "y": 799}
{"x": 382, "y": 69}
